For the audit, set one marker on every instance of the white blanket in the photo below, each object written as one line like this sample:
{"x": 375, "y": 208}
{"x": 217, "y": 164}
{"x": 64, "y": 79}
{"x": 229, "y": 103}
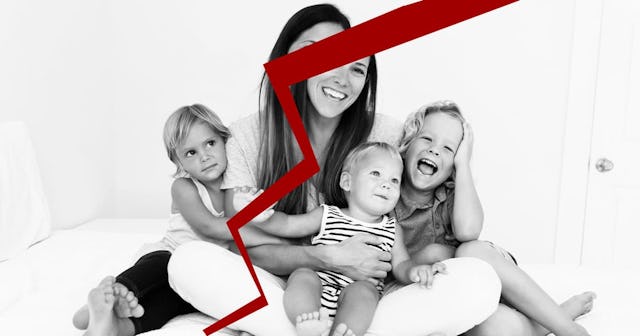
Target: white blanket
{"x": 51, "y": 280}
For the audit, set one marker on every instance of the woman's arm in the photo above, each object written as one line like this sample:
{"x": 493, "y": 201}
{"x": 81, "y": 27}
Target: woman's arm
{"x": 252, "y": 236}
{"x": 352, "y": 257}
{"x": 467, "y": 214}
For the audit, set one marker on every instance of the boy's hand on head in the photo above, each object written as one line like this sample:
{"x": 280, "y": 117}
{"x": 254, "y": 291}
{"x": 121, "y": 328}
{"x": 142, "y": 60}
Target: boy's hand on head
{"x": 424, "y": 274}
{"x": 242, "y": 196}
{"x": 463, "y": 155}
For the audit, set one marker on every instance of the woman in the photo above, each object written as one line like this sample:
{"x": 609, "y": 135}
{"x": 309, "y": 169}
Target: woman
{"x": 338, "y": 111}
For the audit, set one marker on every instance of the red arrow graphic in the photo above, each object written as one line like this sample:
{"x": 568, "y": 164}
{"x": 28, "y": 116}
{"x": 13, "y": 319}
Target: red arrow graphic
{"x": 383, "y": 32}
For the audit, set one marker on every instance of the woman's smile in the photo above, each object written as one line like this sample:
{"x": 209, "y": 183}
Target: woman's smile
{"x": 334, "y": 94}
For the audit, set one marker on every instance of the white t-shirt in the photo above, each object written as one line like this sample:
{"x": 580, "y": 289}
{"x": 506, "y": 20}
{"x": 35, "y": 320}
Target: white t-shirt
{"x": 244, "y": 145}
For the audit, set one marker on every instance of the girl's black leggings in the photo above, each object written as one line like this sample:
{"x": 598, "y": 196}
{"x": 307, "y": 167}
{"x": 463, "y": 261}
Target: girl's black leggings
{"x": 149, "y": 281}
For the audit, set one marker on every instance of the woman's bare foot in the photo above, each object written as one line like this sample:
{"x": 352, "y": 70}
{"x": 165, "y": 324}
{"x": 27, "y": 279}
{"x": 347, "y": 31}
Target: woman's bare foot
{"x": 126, "y": 302}
{"x": 313, "y": 324}
{"x": 342, "y": 330}
{"x": 102, "y": 321}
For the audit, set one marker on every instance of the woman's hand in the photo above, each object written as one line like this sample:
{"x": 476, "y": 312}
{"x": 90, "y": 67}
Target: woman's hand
{"x": 357, "y": 259}
{"x": 463, "y": 155}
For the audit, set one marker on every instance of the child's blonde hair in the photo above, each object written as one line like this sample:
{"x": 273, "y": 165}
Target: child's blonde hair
{"x": 179, "y": 124}
{"x": 363, "y": 149}
{"x": 415, "y": 121}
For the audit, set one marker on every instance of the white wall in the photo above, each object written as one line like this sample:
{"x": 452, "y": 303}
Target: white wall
{"x": 509, "y": 71}
{"x": 171, "y": 54}
{"x": 55, "y": 76}
{"x": 140, "y": 60}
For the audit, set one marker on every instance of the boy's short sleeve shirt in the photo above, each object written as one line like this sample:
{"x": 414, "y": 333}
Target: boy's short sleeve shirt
{"x": 424, "y": 224}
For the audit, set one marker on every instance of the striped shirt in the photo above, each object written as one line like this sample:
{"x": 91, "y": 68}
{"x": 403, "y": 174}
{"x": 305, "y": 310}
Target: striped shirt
{"x": 337, "y": 227}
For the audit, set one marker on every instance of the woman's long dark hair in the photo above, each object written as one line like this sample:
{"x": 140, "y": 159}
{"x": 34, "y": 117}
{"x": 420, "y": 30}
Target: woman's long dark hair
{"x": 277, "y": 147}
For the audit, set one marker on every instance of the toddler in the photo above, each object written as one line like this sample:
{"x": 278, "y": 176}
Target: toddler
{"x": 370, "y": 179}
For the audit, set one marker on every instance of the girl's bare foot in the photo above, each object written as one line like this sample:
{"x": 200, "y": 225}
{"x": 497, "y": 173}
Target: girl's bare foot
{"x": 81, "y": 317}
{"x": 126, "y": 305}
{"x": 313, "y": 324}
{"x": 126, "y": 302}
{"x": 102, "y": 321}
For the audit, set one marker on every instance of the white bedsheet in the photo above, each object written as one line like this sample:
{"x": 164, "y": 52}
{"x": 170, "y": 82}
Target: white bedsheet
{"x": 42, "y": 288}
{"x": 615, "y": 311}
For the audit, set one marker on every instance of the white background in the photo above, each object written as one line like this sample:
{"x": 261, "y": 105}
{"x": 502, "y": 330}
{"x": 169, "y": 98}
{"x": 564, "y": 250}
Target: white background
{"x": 95, "y": 80}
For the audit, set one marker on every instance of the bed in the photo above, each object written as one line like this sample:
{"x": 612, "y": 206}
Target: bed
{"x": 42, "y": 287}
{"x": 45, "y": 276}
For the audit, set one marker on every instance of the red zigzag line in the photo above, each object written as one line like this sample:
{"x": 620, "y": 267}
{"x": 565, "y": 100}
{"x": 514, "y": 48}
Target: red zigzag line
{"x": 383, "y": 32}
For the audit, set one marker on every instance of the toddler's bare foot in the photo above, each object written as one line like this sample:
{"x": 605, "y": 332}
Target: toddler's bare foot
{"x": 579, "y": 305}
{"x": 103, "y": 321}
{"x": 313, "y": 324}
{"x": 342, "y": 330}
{"x": 126, "y": 302}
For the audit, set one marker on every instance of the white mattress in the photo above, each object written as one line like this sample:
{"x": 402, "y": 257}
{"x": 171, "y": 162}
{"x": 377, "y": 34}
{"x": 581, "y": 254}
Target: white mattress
{"x": 41, "y": 289}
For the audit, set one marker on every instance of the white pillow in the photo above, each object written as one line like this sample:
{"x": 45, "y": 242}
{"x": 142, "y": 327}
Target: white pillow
{"x": 24, "y": 214}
